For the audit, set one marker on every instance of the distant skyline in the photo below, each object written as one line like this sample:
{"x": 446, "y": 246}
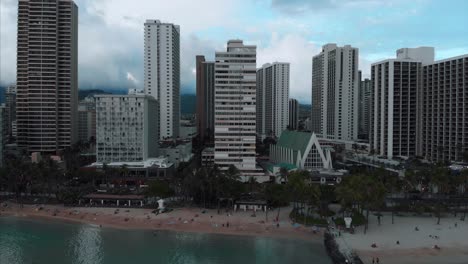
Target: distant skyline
{"x": 111, "y": 34}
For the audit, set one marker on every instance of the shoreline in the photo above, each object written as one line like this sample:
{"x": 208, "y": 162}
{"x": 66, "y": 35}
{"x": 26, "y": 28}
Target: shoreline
{"x": 180, "y": 220}
{"x": 415, "y": 245}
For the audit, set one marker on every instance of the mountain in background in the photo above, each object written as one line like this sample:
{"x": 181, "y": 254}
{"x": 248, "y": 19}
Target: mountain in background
{"x": 82, "y": 93}
{"x": 304, "y": 111}
{"x": 187, "y": 101}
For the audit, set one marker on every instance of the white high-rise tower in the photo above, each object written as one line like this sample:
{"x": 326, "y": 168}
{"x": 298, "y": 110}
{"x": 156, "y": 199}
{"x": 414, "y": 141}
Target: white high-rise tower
{"x": 335, "y": 83}
{"x": 272, "y": 99}
{"x": 235, "y": 92}
{"x": 162, "y": 73}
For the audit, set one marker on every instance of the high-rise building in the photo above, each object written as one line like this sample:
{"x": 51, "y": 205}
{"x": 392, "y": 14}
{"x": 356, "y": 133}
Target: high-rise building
{"x": 235, "y": 92}
{"x": 335, "y": 84}
{"x": 47, "y": 74}
{"x": 445, "y": 109}
{"x": 365, "y": 90}
{"x": 395, "y": 111}
{"x": 87, "y": 119}
{"x": 126, "y": 128}
{"x": 293, "y": 114}
{"x": 205, "y": 98}
{"x": 10, "y": 113}
{"x": 272, "y": 99}
{"x": 162, "y": 73}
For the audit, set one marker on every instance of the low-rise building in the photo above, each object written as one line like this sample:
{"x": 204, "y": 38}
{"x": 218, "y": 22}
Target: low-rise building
{"x": 126, "y": 130}
{"x": 207, "y": 157}
{"x": 187, "y": 129}
{"x": 149, "y": 168}
{"x": 176, "y": 151}
{"x": 301, "y": 149}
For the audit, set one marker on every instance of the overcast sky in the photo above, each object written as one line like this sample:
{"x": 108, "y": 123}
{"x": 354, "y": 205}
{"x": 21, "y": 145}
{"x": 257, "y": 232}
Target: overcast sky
{"x": 111, "y": 34}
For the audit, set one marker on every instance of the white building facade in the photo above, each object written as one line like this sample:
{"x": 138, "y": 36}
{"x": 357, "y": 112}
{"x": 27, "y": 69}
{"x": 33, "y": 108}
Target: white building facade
{"x": 335, "y": 83}
{"x": 235, "y": 112}
{"x": 126, "y": 130}
{"x": 162, "y": 74}
{"x": 395, "y": 122}
{"x": 272, "y": 99}
{"x": 445, "y": 109}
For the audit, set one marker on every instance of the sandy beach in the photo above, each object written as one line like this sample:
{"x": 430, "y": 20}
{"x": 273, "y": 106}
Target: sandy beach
{"x": 415, "y": 247}
{"x": 184, "y": 219}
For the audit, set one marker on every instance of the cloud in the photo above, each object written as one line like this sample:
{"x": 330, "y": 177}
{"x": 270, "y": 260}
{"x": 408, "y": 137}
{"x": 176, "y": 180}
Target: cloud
{"x": 296, "y": 50}
{"x": 295, "y": 7}
{"x": 300, "y": 6}
{"x": 131, "y": 78}
{"x": 110, "y": 39}
{"x": 8, "y": 14}
{"x": 111, "y": 34}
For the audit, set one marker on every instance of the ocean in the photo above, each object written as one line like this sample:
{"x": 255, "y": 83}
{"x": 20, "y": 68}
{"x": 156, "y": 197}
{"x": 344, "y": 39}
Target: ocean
{"x": 45, "y": 241}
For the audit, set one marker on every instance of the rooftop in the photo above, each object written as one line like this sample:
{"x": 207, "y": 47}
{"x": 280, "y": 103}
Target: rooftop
{"x": 294, "y": 140}
{"x": 114, "y": 196}
{"x": 151, "y": 162}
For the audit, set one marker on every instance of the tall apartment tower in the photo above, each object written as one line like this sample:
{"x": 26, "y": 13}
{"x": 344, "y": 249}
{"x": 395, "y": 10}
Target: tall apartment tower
{"x": 125, "y": 128}
{"x": 365, "y": 92}
{"x": 235, "y": 92}
{"x": 445, "y": 109}
{"x": 293, "y": 114}
{"x": 395, "y": 111}
{"x": 205, "y": 98}
{"x": 162, "y": 73}
{"x": 47, "y": 74}
{"x": 335, "y": 84}
{"x": 272, "y": 99}
{"x": 10, "y": 113}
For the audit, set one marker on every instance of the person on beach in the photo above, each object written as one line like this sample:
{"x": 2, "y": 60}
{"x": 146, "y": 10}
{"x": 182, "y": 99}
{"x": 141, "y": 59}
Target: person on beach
{"x": 377, "y": 260}
{"x": 373, "y": 260}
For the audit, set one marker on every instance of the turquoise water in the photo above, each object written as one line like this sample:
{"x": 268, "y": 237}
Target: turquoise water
{"x": 41, "y": 241}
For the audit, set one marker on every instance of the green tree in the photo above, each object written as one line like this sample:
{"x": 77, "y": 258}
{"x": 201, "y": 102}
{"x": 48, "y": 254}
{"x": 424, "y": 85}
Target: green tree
{"x": 159, "y": 188}
{"x": 283, "y": 173}
{"x": 439, "y": 178}
{"x": 277, "y": 195}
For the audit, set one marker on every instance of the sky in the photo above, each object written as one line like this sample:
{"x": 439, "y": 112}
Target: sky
{"x": 110, "y": 39}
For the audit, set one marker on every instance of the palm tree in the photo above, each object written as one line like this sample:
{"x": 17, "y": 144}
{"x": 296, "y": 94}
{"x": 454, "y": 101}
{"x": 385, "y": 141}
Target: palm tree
{"x": 283, "y": 175}
{"x": 439, "y": 178}
{"x": 312, "y": 193}
{"x": 345, "y": 195}
{"x": 393, "y": 185}
{"x": 464, "y": 174}
{"x": 232, "y": 173}
{"x": 296, "y": 182}
{"x": 124, "y": 171}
